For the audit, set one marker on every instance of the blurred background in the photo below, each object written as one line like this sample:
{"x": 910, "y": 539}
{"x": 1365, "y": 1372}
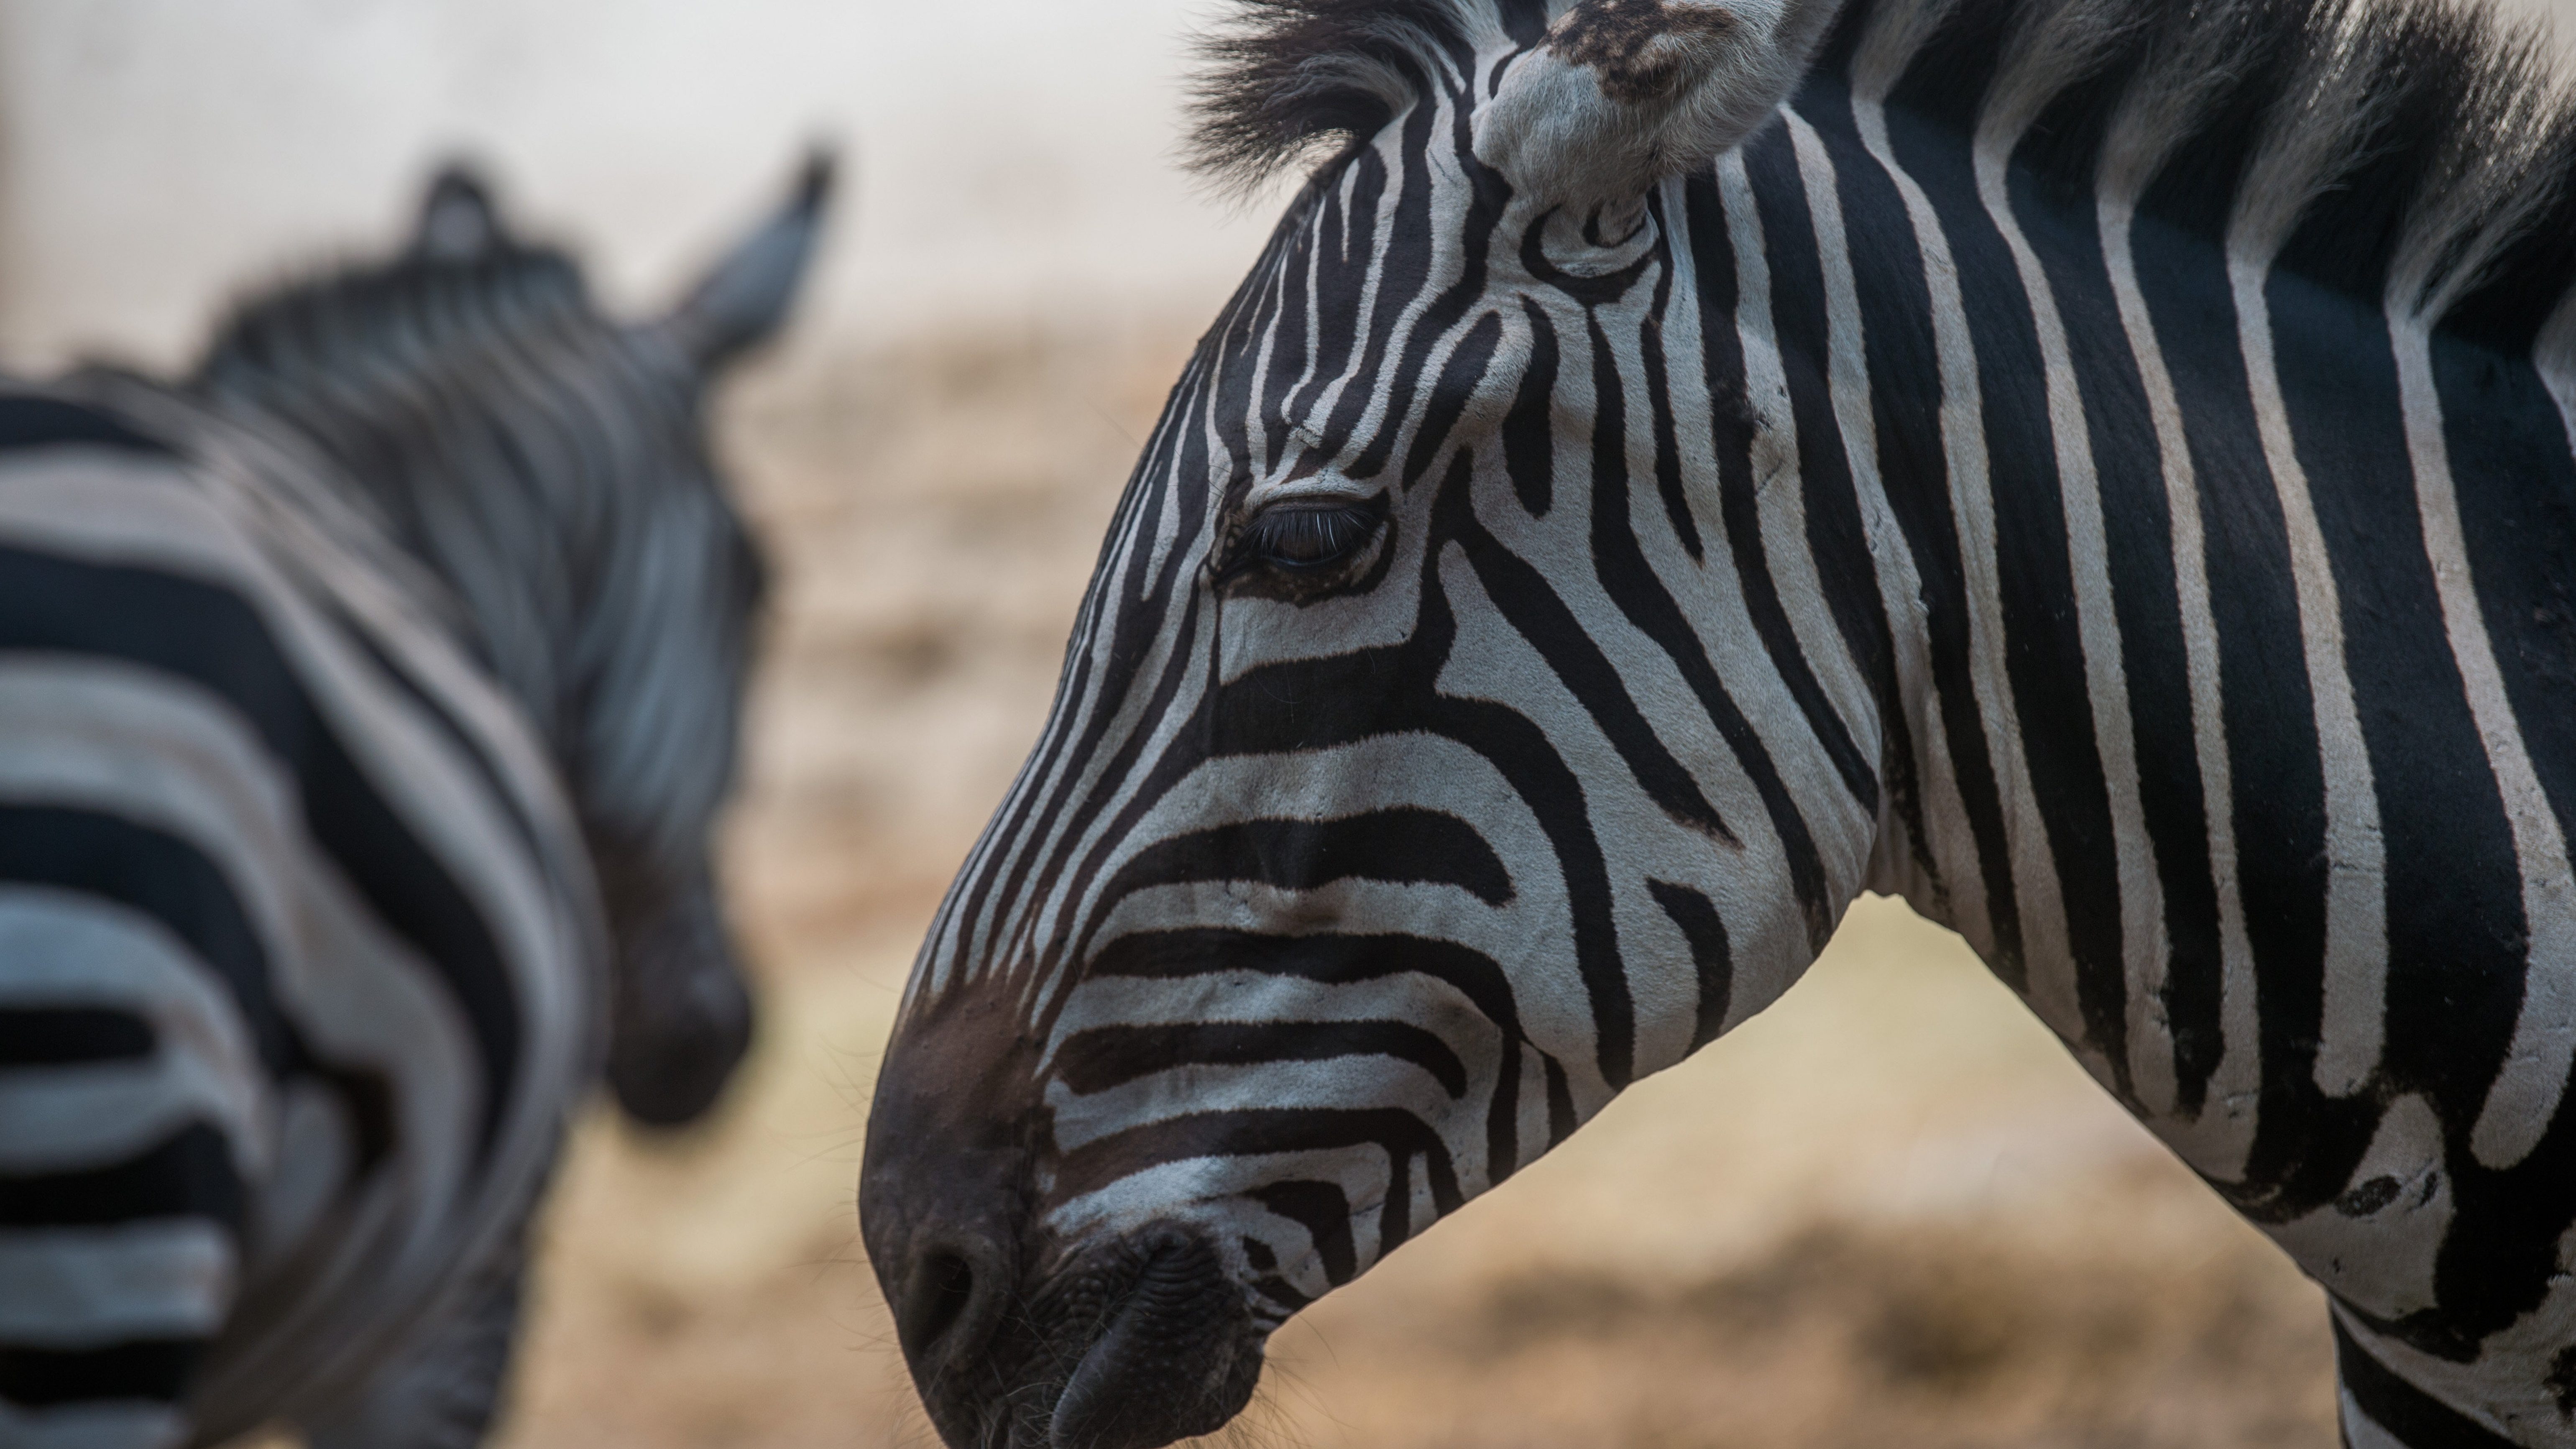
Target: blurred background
{"x": 1891, "y": 1211}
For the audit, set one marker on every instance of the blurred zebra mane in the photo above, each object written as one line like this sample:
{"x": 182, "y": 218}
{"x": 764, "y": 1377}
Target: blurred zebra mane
{"x": 546, "y": 462}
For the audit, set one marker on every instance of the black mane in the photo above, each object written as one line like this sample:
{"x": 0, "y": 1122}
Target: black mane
{"x": 1286, "y": 79}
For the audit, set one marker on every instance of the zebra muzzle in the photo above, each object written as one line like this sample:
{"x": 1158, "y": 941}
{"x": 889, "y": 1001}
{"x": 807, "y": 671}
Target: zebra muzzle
{"x": 1177, "y": 1356}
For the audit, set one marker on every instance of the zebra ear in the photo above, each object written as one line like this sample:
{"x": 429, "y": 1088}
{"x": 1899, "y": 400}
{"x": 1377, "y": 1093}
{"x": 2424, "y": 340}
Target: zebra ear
{"x": 744, "y": 299}
{"x": 458, "y": 222}
{"x": 1624, "y": 93}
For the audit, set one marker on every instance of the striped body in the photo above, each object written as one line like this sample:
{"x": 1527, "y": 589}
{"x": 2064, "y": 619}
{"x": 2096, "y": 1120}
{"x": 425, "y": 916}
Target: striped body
{"x": 1937, "y": 493}
{"x": 301, "y": 977}
{"x": 366, "y": 704}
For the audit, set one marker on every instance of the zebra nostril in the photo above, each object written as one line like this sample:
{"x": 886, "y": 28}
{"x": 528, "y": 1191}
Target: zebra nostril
{"x": 949, "y": 1306}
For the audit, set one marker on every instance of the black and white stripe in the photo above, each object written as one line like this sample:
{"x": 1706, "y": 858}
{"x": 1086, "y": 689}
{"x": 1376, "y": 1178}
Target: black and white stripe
{"x": 2099, "y": 469}
{"x": 303, "y": 970}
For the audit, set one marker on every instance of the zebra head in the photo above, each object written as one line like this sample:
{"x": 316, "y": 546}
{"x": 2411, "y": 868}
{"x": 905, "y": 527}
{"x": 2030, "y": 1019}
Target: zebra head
{"x": 552, "y": 467}
{"x": 1417, "y": 779}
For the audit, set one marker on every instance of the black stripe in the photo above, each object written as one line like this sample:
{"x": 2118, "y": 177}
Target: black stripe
{"x": 2277, "y": 801}
{"x": 1460, "y": 378}
{"x": 1331, "y": 960}
{"x": 1259, "y": 1133}
{"x": 188, "y": 1174}
{"x": 34, "y": 421}
{"x": 1533, "y": 609}
{"x": 1659, "y": 392}
{"x": 2138, "y": 535}
{"x": 1324, "y": 1211}
{"x": 469, "y": 746}
{"x": 1529, "y": 434}
{"x": 2413, "y": 1417}
{"x": 156, "y": 875}
{"x": 1712, "y": 267}
{"x": 1403, "y": 270}
{"x": 216, "y": 639}
{"x": 1104, "y": 1057}
{"x": 1631, "y": 583}
{"x": 1405, "y": 846}
{"x": 2516, "y": 488}
{"x": 1905, "y": 397}
{"x": 1560, "y": 1103}
{"x": 1705, "y": 931}
{"x": 2043, "y": 647}
{"x": 1836, "y": 538}
{"x": 1488, "y": 195}
{"x": 71, "y": 1035}
{"x": 1336, "y": 960}
{"x": 2453, "y": 894}
{"x": 1366, "y": 692}
{"x": 155, "y": 1372}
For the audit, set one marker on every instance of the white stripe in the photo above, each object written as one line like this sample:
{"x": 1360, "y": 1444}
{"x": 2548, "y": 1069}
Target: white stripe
{"x": 2525, "y": 1095}
{"x": 78, "y": 1118}
{"x": 58, "y": 950}
{"x": 80, "y": 1288}
{"x": 2216, "y": 1142}
{"x": 166, "y": 755}
{"x": 1963, "y": 443}
{"x": 2354, "y": 1027}
{"x": 1900, "y": 586}
{"x": 2106, "y": 682}
{"x": 119, "y": 511}
{"x": 1383, "y": 1082}
{"x": 1779, "y": 492}
{"x": 361, "y": 997}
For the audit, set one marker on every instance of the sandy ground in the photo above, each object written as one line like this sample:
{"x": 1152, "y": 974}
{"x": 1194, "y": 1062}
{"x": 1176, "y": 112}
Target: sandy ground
{"x": 1888, "y": 1212}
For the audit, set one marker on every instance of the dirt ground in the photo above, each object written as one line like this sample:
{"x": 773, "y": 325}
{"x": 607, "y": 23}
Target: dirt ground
{"x": 1888, "y": 1212}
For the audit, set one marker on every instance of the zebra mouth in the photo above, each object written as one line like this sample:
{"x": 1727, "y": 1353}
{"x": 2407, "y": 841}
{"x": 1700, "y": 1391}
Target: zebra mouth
{"x": 1175, "y": 1353}
{"x": 1131, "y": 1344}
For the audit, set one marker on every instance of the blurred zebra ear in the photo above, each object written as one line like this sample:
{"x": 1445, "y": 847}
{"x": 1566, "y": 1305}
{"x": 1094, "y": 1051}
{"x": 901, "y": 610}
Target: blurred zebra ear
{"x": 1624, "y": 93}
{"x": 458, "y": 222}
{"x": 744, "y": 299}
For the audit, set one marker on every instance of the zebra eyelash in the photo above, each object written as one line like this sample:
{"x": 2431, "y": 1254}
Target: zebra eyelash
{"x": 1304, "y": 536}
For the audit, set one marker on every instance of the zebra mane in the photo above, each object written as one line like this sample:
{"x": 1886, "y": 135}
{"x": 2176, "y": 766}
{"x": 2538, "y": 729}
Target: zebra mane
{"x": 2412, "y": 150}
{"x": 2416, "y": 150}
{"x": 547, "y": 464}
{"x": 1287, "y": 80}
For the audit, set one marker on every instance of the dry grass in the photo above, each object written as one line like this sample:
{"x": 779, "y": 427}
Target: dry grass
{"x": 1888, "y": 1212}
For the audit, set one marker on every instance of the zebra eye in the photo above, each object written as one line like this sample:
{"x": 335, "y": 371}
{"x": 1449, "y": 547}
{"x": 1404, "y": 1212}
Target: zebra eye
{"x": 1302, "y": 535}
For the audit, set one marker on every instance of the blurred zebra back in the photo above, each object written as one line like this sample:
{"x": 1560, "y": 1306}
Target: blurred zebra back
{"x": 304, "y": 828}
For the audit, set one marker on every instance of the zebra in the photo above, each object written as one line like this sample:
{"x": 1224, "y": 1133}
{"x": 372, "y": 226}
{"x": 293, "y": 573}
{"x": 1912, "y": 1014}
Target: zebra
{"x": 2099, "y": 470}
{"x": 367, "y": 700}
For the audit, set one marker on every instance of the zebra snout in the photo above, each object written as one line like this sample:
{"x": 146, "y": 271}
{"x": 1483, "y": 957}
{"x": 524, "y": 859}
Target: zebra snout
{"x": 1172, "y": 1349}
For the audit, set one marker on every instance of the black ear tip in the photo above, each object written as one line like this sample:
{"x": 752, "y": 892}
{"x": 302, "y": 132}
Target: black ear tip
{"x": 459, "y": 181}
{"x": 814, "y": 179}
{"x": 458, "y": 221}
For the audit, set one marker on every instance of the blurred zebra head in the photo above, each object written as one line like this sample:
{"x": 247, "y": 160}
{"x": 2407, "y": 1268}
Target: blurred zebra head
{"x": 1411, "y": 787}
{"x": 552, "y": 467}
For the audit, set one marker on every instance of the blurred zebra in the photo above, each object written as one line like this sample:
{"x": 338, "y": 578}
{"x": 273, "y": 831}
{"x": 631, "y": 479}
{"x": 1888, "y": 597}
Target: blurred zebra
{"x": 2098, "y": 468}
{"x": 341, "y": 687}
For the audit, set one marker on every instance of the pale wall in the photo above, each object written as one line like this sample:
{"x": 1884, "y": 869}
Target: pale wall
{"x": 1012, "y": 157}
{"x": 1007, "y": 156}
